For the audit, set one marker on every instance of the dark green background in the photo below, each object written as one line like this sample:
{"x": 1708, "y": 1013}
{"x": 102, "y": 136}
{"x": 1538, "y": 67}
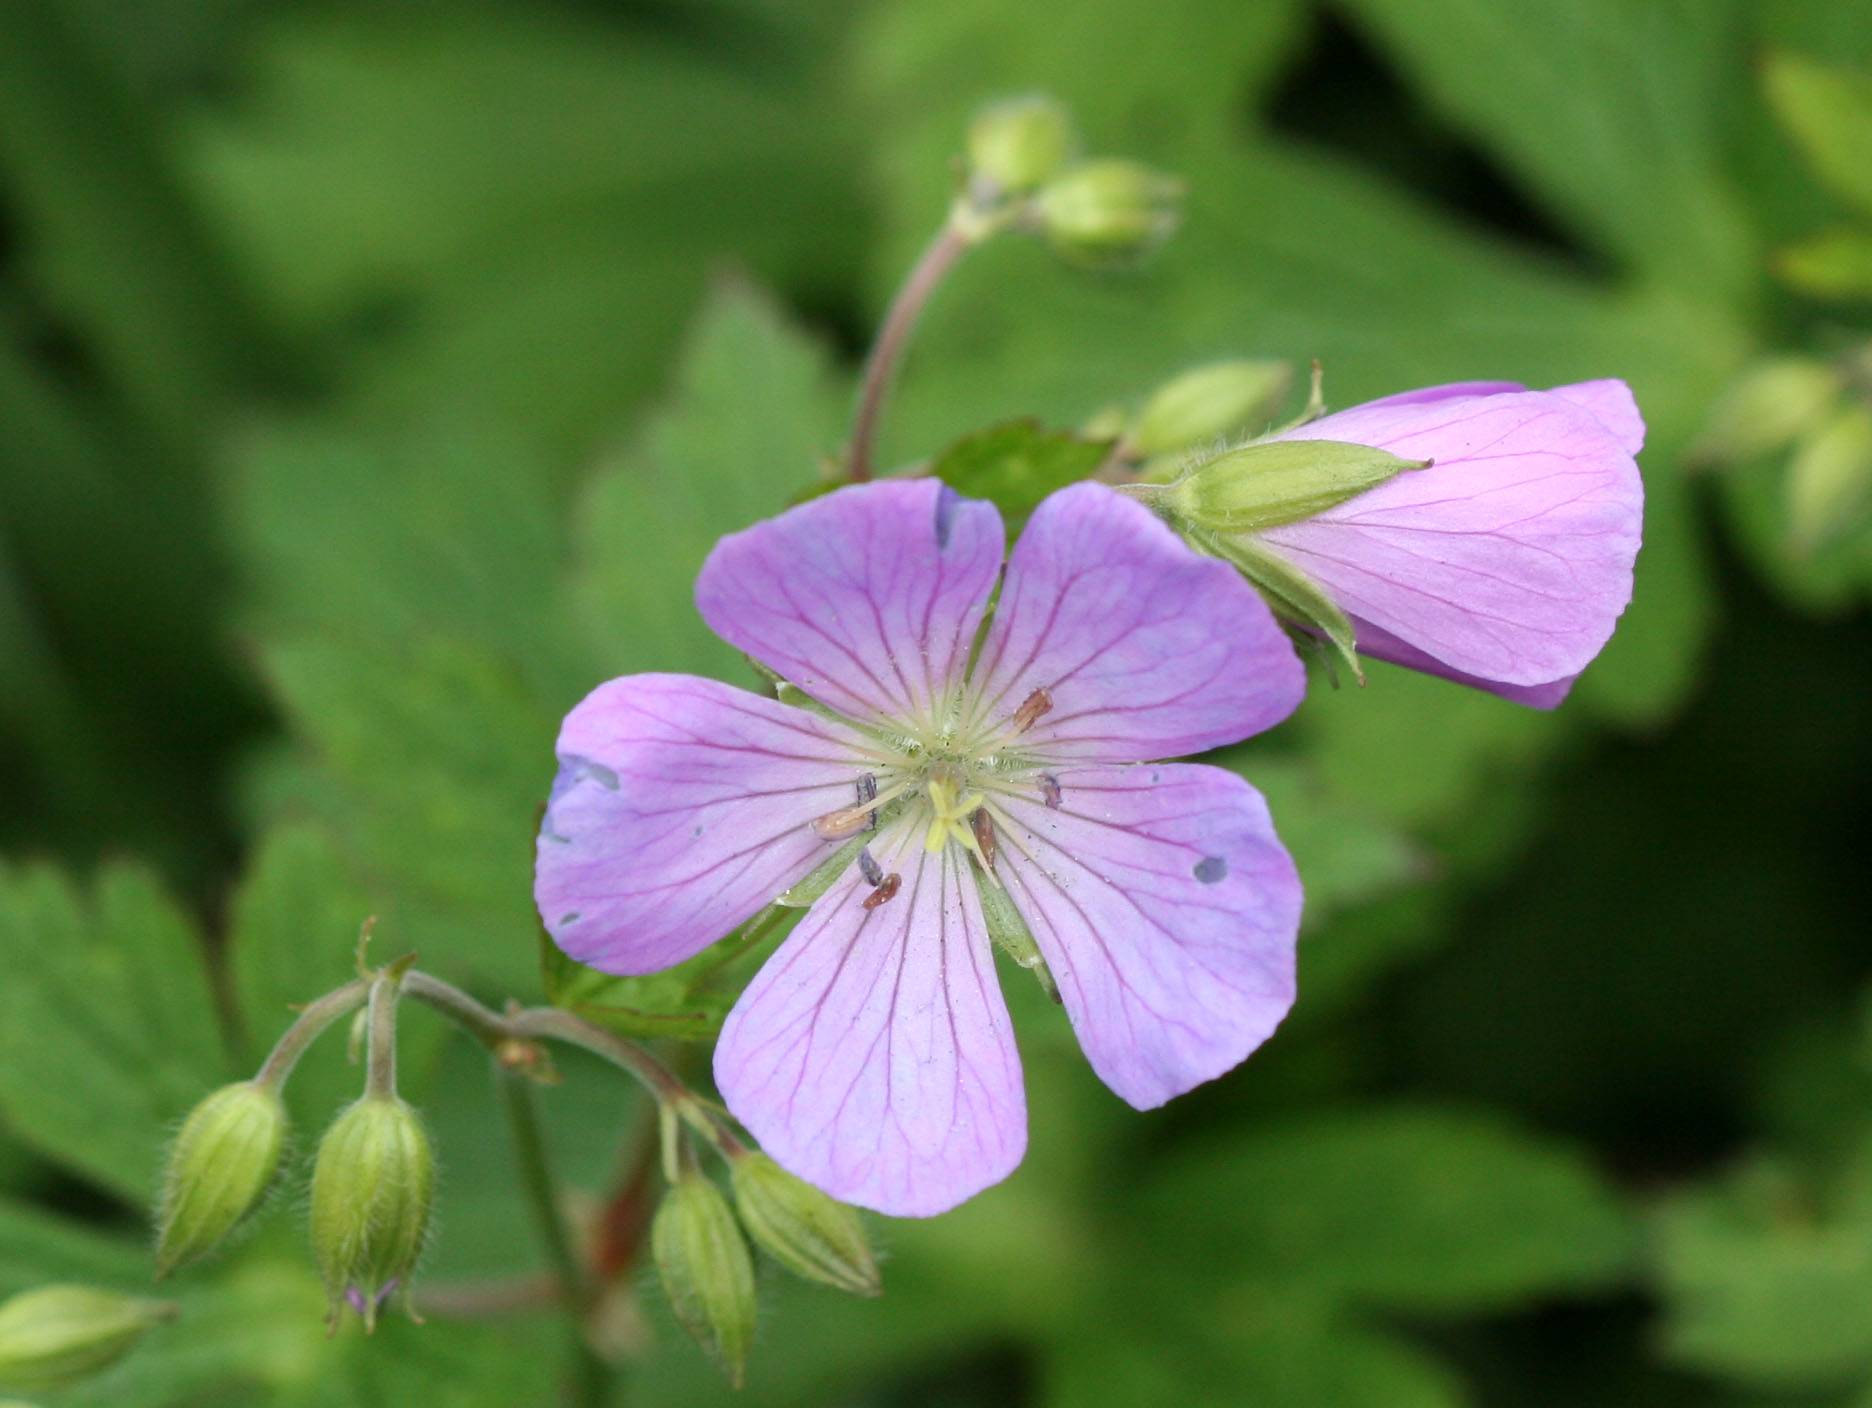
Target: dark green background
{"x": 373, "y": 378}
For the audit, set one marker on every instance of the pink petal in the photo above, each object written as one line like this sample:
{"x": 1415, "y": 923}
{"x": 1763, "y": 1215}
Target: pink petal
{"x": 868, "y": 598}
{"x": 1611, "y": 403}
{"x": 1511, "y": 558}
{"x": 1381, "y": 645}
{"x": 1167, "y": 909}
{"x": 682, "y": 806}
{"x": 872, "y": 1055}
{"x": 1148, "y": 650}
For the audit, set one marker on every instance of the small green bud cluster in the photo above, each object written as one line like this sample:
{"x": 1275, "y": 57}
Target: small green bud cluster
{"x": 1209, "y": 403}
{"x": 1820, "y": 410}
{"x": 1024, "y": 171}
{"x": 373, "y": 1185}
{"x": 55, "y": 1336}
{"x": 703, "y": 1258}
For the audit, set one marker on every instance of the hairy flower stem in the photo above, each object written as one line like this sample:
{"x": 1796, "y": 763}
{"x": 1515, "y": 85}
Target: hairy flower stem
{"x": 380, "y": 1067}
{"x": 314, "y": 1018}
{"x": 900, "y": 321}
{"x": 592, "y": 1376}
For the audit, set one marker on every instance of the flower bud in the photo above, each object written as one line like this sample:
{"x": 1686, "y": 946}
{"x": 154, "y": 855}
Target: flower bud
{"x": 1210, "y": 401}
{"x": 1019, "y": 143}
{"x": 1774, "y": 401}
{"x": 1830, "y": 476}
{"x": 1278, "y": 481}
{"x": 219, "y": 1166}
{"x": 54, "y": 1336}
{"x": 809, "y": 1233}
{"x": 706, "y": 1270}
{"x": 372, "y": 1186}
{"x": 1108, "y": 212}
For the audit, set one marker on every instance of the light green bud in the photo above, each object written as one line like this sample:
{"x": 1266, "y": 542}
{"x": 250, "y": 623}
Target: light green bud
{"x": 372, "y": 1187}
{"x": 54, "y": 1336}
{"x": 1277, "y": 481}
{"x": 1019, "y": 143}
{"x": 1210, "y": 401}
{"x": 219, "y": 1167}
{"x": 809, "y": 1233}
{"x": 706, "y": 1270}
{"x": 1773, "y": 402}
{"x": 1109, "y": 212}
{"x": 1830, "y": 476}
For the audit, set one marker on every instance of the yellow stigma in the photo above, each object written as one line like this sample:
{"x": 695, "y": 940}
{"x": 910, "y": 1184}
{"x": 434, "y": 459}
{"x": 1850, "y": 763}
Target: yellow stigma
{"x": 950, "y": 811}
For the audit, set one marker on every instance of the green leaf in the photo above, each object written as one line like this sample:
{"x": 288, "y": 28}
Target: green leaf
{"x": 1016, "y": 465}
{"x": 753, "y": 412}
{"x": 108, "y": 1030}
{"x": 1828, "y": 113}
{"x": 1766, "y": 1278}
{"x": 1832, "y": 264}
{"x": 37, "y": 1246}
{"x": 1615, "y": 110}
{"x": 664, "y": 1004}
{"x": 1415, "y": 1209}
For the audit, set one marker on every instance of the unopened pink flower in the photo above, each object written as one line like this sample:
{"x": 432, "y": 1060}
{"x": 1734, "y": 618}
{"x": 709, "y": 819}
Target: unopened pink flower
{"x": 1506, "y": 564}
{"x": 872, "y": 1053}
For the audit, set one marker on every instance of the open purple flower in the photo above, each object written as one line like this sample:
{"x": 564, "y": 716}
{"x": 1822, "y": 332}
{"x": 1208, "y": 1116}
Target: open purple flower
{"x": 1506, "y": 564}
{"x": 872, "y": 1054}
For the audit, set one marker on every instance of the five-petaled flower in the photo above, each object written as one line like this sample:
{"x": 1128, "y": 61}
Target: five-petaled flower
{"x": 871, "y": 1054}
{"x": 1506, "y": 564}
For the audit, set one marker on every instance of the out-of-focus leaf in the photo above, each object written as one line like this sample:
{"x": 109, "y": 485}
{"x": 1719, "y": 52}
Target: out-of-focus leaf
{"x": 1017, "y": 464}
{"x": 1409, "y": 1208}
{"x": 1267, "y": 1355}
{"x": 655, "y": 1004}
{"x": 444, "y": 757}
{"x": 107, "y": 1027}
{"x": 1765, "y": 1279}
{"x": 1614, "y": 109}
{"x": 1828, "y": 112}
{"x": 37, "y": 1246}
{"x": 753, "y": 413}
{"x": 1832, "y": 264}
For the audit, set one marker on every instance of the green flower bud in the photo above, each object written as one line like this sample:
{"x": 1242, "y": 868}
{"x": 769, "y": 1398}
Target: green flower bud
{"x": 219, "y": 1167}
{"x": 706, "y": 1271}
{"x": 1275, "y": 482}
{"x": 55, "y": 1336}
{"x": 1830, "y": 476}
{"x": 1019, "y": 143}
{"x": 809, "y": 1233}
{"x": 1211, "y": 401}
{"x": 1773, "y": 402}
{"x": 372, "y": 1187}
{"x": 1104, "y": 213}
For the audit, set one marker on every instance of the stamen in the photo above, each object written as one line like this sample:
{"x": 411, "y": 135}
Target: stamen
{"x": 869, "y": 868}
{"x": 984, "y": 828}
{"x": 846, "y": 821}
{"x": 1035, "y": 705}
{"x": 1050, "y": 790}
{"x": 885, "y": 892}
{"x": 867, "y": 796}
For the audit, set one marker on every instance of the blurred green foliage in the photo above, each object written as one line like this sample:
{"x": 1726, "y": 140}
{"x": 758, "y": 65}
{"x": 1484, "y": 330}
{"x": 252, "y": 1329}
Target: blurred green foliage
{"x": 373, "y": 380}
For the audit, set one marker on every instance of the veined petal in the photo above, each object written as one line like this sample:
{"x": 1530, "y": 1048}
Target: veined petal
{"x": 1510, "y": 559}
{"x": 868, "y": 599}
{"x": 1382, "y": 645}
{"x": 681, "y": 807}
{"x": 872, "y": 1054}
{"x": 1609, "y": 401}
{"x": 1145, "y": 649}
{"x": 1167, "y": 909}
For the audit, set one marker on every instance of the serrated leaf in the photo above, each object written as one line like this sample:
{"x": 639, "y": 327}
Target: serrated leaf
{"x": 753, "y": 409}
{"x": 108, "y": 1029}
{"x": 1016, "y": 465}
{"x": 1828, "y": 112}
{"x": 1415, "y": 1209}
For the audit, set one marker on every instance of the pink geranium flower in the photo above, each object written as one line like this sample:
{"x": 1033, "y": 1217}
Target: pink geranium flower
{"x": 872, "y": 1054}
{"x": 1506, "y": 564}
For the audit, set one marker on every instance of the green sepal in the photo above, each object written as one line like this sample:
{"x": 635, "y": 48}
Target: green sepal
{"x": 1295, "y": 597}
{"x": 1010, "y": 932}
{"x": 1279, "y": 481}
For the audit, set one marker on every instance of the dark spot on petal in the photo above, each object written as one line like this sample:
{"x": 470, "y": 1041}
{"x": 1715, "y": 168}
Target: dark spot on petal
{"x": 947, "y": 502}
{"x": 1050, "y": 790}
{"x": 573, "y": 770}
{"x": 548, "y": 834}
{"x": 1210, "y": 869}
{"x": 696, "y": 832}
{"x": 1156, "y": 777}
{"x": 571, "y": 916}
